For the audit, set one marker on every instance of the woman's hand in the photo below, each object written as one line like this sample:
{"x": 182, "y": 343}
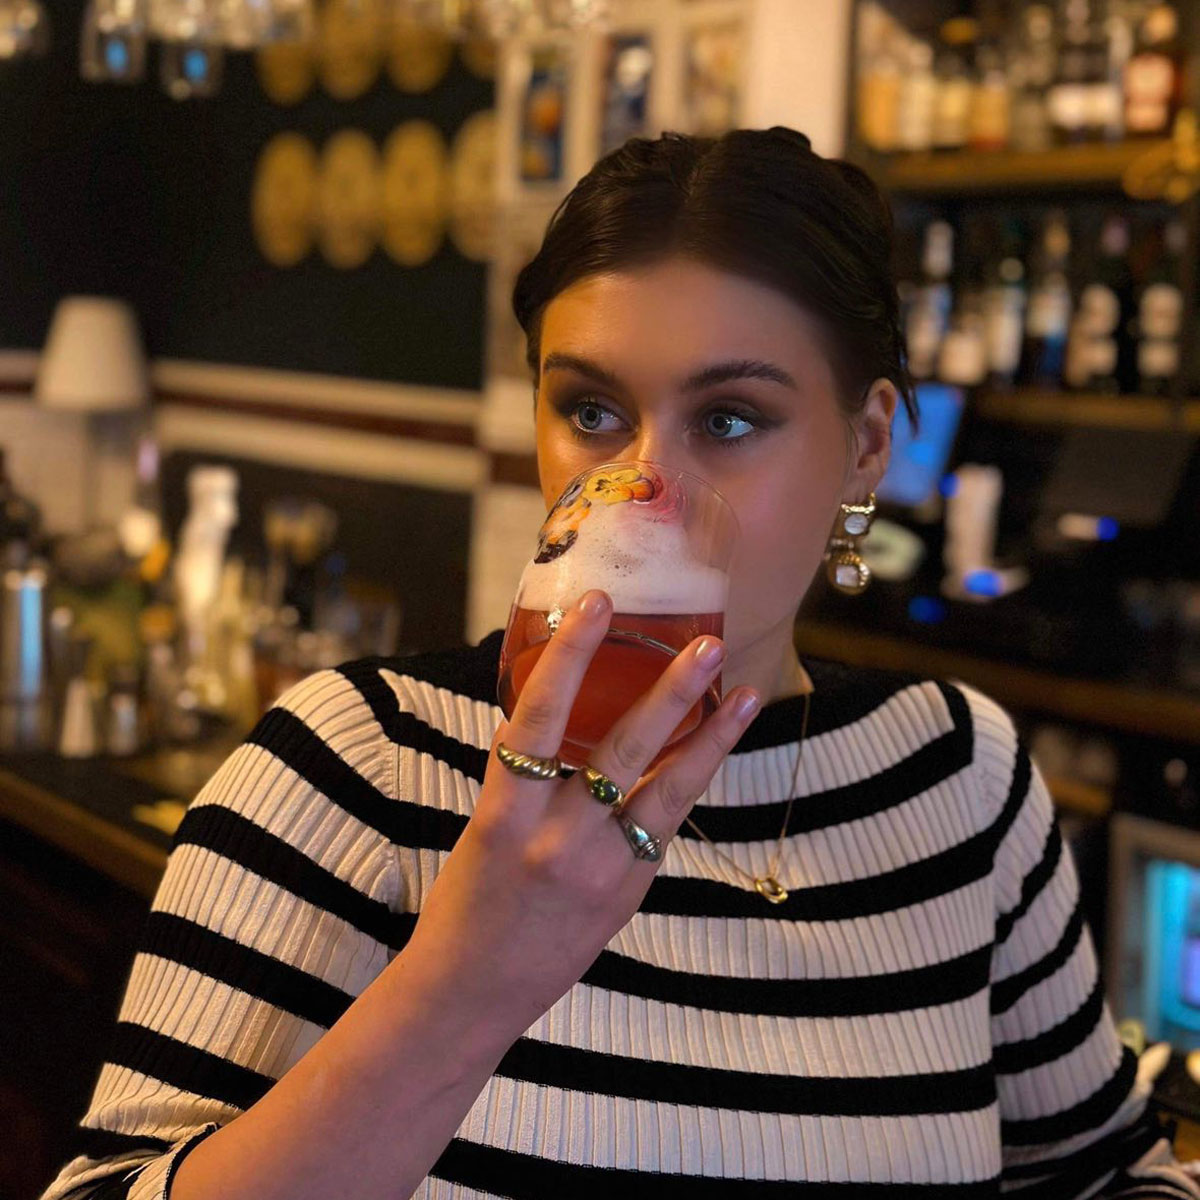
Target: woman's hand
{"x": 542, "y": 877}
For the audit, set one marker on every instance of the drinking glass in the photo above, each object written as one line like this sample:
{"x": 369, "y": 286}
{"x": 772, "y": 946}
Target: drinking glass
{"x": 659, "y": 541}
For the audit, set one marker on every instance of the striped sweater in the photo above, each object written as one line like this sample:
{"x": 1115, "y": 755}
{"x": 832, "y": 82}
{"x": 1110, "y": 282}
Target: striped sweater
{"x": 922, "y": 1016}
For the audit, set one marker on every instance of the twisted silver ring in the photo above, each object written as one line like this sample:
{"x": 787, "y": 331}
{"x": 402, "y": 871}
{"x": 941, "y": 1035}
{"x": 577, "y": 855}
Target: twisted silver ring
{"x": 644, "y": 845}
{"x": 528, "y": 765}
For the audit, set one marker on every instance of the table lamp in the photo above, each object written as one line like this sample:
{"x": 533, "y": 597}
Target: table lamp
{"x": 93, "y": 364}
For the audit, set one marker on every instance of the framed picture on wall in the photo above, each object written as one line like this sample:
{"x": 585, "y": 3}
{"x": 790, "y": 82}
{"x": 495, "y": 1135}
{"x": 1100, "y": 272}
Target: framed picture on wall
{"x": 625, "y": 88}
{"x": 542, "y": 121}
{"x": 714, "y": 51}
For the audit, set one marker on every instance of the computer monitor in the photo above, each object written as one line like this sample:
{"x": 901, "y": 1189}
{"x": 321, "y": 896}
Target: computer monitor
{"x": 1153, "y": 961}
{"x": 919, "y": 458}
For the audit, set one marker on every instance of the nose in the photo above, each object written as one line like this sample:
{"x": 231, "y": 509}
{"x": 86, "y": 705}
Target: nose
{"x": 655, "y": 444}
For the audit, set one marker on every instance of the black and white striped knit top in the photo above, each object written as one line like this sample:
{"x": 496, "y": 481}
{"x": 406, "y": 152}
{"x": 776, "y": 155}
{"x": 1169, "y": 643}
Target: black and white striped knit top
{"x": 921, "y": 1017}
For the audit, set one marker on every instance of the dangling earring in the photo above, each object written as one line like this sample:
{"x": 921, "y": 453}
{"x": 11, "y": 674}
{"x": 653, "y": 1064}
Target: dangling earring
{"x": 844, "y": 566}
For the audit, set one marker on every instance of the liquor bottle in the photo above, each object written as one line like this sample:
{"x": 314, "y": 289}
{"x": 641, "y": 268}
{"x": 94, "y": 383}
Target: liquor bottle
{"x": 1070, "y": 95}
{"x": 1049, "y": 315}
{"x": 1153, "y": 75}
{"x": 955, "y": 83}
{"x": 878, "y": 96}
{"x": 963, "y": 358}
{"x": 991, "y": 106}
{"x": 1114, "y": 48}
{"x": 929, "y": 313}
{"x": 1160, "y": 313}
{"x": 1033, "y": 64}
{"x": 1004, "y": 303}
{"x": 918, "y": 95}
{"x": 1100, "y": 349}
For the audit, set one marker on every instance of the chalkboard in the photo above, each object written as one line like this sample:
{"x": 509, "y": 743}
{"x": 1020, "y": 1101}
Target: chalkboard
{"x": 119, "y": 190}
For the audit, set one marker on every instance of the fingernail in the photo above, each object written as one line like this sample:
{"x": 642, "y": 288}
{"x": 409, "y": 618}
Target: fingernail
{"x": 709, "y": 652}
{"x": 746, "y": 706}
{"x": 594, "y": 603}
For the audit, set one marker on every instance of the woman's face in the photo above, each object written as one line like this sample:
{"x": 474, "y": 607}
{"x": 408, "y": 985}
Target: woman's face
{"x": 724, "y": 377}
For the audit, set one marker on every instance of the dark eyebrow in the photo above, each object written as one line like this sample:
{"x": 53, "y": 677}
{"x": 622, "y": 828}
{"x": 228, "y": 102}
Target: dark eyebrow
{"x": 722, "y": 372}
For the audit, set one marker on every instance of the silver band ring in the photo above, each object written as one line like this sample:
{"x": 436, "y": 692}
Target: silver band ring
{"x": 644, "y": 845}
{"x": 528, "y": 765}
{"x": 602, "y": 788}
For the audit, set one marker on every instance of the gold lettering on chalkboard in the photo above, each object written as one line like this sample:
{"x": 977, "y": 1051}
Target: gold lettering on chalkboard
{"x": 283, "y": 199}
{"x": 418, "y": 56}
{"x": 351, "y": 45}
{"x": 415, "y": 187}
{"x": 348, "y": 199}
{"x": 473, "y": 186}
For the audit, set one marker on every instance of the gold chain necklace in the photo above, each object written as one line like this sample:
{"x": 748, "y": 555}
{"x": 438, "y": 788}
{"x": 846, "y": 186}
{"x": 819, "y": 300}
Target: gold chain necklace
{"x": 768, "y": 885}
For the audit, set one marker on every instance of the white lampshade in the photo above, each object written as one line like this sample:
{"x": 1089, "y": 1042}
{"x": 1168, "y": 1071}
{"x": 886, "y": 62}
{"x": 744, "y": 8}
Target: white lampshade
{"x": 93, "y": 360}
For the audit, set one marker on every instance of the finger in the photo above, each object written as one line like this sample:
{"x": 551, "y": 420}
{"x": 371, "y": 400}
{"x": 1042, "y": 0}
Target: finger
{"x": 665, "y": 796}
{"x": 539, "y": 719}
{"x": 631, "y": 745}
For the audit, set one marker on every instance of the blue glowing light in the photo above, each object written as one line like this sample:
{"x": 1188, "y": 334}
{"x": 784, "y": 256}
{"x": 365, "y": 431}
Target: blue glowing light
{"x": 948, "y": 485}
{"x": 1107, "y": 528}
{"x": 926, "y": 610}
{"x": 983, "y": 583}
{"x": 195, "y": 65}
{"x": 116, "y": 56}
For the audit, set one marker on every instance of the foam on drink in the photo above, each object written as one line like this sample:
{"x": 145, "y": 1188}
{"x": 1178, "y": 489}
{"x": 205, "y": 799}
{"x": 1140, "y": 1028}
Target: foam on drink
{"x": 644, "y": 565}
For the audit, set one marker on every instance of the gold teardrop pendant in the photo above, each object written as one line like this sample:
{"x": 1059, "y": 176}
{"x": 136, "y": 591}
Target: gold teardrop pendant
{"x": 771, "y": 889}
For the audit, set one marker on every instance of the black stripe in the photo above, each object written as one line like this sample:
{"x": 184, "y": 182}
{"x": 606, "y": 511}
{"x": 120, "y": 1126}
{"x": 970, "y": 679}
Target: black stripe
{"x": 1013, "y": 1057}
{"x": 527, "y": 1177}
{"x": 104, "y": 1143}
{"x": 578, "y": 1070}
{"x": 289, "y": 739}
{"x": 219, "y": 957}
{"x": 225, "y": 832}
{"x": 884, "y": 892}
{"x": 1033, "y": 884}
{"x": 1086, "y": 1165}
{"x": 185, "y": 1067}
{"x": 922, "y": 770}
{"x": 899, "y": 991}
{"x": 1089, "y": 1113}
{"x": 1008, "y": 991}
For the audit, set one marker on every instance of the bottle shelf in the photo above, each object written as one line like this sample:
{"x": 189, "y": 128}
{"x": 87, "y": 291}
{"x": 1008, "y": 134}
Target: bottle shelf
{"x": 1071, "y": 409}
{"x": 1097, "y": 166}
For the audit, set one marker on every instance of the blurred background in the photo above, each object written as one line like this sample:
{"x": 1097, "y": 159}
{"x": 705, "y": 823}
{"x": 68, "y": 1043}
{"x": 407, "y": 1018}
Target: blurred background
{"x": 260, "y": 383}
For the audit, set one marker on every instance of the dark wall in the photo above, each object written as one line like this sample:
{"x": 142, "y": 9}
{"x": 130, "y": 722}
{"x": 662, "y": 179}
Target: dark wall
{"x": 123, "y": 191}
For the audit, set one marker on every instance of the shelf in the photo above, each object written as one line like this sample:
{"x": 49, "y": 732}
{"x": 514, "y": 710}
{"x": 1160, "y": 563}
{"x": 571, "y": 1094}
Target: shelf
{"x": 1149, "y": 414}
{"x": 1126, "y": 707}
{"x": 1098, "y": 166}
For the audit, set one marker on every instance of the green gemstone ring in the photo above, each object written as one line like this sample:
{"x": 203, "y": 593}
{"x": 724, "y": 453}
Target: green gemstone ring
{"x": 603, "y": 788}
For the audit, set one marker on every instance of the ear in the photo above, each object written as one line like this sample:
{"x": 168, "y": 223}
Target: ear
{"x": 871, "y": 444}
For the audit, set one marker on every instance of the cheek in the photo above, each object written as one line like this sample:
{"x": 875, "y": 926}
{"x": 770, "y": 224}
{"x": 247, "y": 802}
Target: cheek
{"x": 785, "y": 524}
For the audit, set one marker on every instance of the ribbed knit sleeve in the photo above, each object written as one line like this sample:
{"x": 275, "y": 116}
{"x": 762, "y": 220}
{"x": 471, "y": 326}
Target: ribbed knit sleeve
{"x": 276, "y": 909}
{"x": 1073, "y": 1115}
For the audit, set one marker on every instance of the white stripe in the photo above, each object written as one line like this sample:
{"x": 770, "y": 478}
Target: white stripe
{"x": 1053, "y": 1000}
{"x": 919, "y": 935}
{"x": 945, "y": 1037}
{"x": 618, "y": 1133}
{"x": 1057, "y": 1086}
{"x": 195, "y": 1009}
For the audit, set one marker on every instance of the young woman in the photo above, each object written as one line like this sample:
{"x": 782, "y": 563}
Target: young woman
{"x": 388, "y": 960}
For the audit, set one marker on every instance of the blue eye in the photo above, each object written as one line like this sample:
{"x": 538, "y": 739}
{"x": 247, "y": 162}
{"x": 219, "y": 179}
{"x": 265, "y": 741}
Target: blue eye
{"x": 584, "y": 414}
{"x": 722, "y": 425}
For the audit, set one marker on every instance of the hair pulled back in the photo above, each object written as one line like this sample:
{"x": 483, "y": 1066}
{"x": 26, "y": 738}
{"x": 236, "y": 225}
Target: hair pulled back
{"x": 759, "y": 203}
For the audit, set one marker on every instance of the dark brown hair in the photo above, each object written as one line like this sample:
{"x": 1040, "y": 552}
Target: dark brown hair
{"x": 759, "y": 203}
